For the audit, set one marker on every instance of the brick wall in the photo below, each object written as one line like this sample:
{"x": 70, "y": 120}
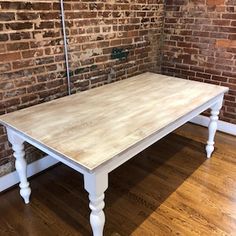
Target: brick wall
{"x": 108, "y": 40}
{"x": 200, "y": 44}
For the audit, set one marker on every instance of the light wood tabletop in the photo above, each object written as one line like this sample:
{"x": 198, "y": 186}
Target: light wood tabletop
{"x": 94, "y": 126}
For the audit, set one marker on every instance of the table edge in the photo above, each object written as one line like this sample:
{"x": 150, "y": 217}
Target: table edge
{"x": 82, "y": 168}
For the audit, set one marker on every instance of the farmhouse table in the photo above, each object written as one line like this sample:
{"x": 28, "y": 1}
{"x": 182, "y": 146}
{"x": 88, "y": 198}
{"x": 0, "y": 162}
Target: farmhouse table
{"x": 96, "y": 131}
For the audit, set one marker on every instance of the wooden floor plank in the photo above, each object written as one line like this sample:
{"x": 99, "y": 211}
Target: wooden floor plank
{"x": 168, "y": 189}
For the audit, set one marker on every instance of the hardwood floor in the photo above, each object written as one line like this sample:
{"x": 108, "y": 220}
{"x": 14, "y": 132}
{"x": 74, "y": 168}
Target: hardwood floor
{"x": 168, "y": 189}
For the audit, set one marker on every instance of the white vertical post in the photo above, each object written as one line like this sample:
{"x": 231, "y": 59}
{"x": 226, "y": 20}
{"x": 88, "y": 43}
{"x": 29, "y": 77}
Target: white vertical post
{"x": 96, "y": 184}
{"x": 212, "y": 127}
{"x": 20, "y": 163}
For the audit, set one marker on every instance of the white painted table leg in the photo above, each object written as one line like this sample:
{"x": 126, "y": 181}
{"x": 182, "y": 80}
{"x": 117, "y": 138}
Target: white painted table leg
{"x": 212, "y": 127}
{"x": 96, "y": 184}
{"x": 20, "y": 163}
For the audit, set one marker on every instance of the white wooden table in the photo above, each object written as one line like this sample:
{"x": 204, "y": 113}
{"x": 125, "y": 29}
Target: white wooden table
{"x": 96, "y": 131}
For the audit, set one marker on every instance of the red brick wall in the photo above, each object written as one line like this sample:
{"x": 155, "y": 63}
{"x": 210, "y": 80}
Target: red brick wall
{"x": 32, "y": 66}
{"x": 200, "y": 44}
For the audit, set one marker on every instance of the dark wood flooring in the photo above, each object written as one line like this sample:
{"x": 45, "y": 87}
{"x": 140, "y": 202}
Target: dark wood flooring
{"x": 168, "y": 189}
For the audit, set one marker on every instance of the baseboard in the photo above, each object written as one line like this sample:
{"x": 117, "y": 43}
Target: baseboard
{"x": 12, "y": 179}
{"x": 222, "y": 125}
{"x": 33, "y": 168}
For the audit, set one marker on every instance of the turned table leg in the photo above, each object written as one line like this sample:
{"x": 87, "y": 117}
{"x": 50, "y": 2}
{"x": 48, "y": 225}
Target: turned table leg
{"x": 96, "y": 184}
{"x": 20, "y": 163}
{"x": 212, "y": 127}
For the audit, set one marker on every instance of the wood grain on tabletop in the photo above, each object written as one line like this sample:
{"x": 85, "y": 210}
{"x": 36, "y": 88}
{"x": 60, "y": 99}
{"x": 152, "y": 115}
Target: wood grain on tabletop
{"x": 93, "y": 126}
